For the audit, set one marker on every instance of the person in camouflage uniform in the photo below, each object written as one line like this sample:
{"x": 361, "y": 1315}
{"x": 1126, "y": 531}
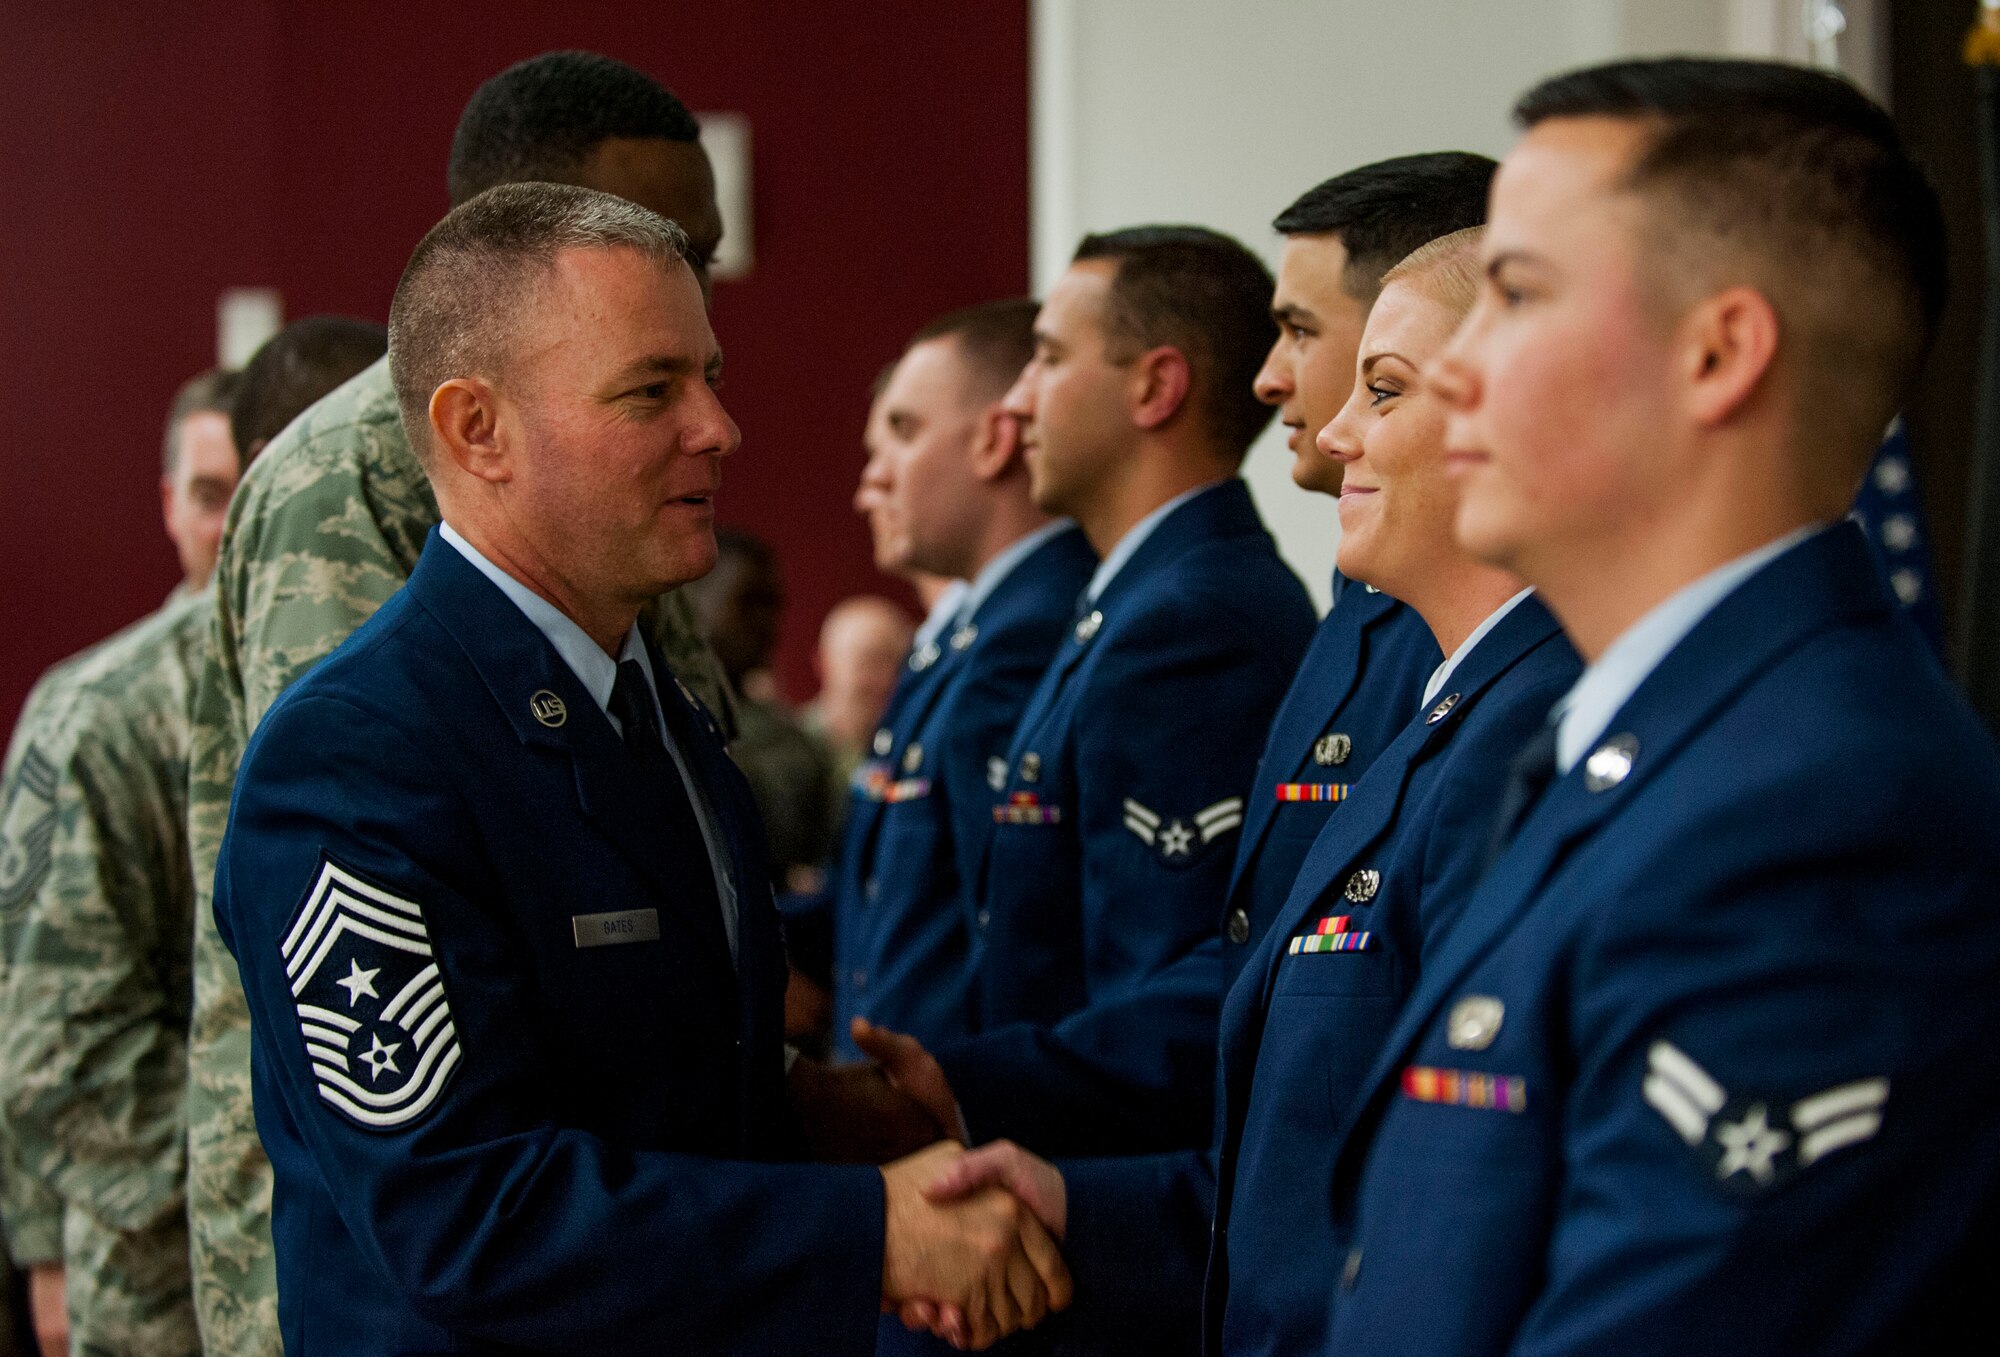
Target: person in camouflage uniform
{"x": 329, "y": 524}
{"x": 96, "y": 908}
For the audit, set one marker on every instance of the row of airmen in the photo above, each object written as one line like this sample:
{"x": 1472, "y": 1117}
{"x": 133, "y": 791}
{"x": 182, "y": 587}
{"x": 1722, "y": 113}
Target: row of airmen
{"x": 1532, "y": 1036}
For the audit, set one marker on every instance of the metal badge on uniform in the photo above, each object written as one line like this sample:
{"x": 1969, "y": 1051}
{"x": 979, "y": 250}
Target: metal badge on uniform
{"x": 925, "y": 656}
{"x": 547, "y": 708}
{"x": 1610, "y": 763}
{"x": 996, "y": 773}
{"x": 1177, "y": 840}
{"x": 884, "y": 742}
{"x": 1474, "y": 1022}
{"x": 371, "y": 1002}
{"x": 1442, "y": 709}
{"x": 1361, "y": 887}
{"x": 1331, "y": 750}
{"x": 1088, "y": 627}
{"x": 618, "y": 926}
{"x": 1031, "y": 767}
{"x": 913, "y": 757}
{"x": 1751, "y": 1142}
{"x": 964, "y": 637}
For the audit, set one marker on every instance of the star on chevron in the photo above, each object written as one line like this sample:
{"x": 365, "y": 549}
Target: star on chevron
{"x": 359, "y": 982}
{"x": 379, "y": 1057}
{"x": 1750, "y": 1145}
{"x": 1176, "y": 839}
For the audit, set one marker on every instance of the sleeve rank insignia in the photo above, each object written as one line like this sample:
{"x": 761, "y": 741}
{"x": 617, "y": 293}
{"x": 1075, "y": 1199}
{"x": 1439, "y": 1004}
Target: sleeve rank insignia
{"x": 1753, "y": 1143}
{"x": 27, "y": 829}
{"x": 1177, "y": 840}
{"x": 372, "y": 1009}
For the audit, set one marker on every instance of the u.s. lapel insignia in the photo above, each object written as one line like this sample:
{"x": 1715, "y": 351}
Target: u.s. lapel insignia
{"x": 1031, "y": 767}
{"x": 924, "y": 656}
{"x": 1361, "y": 886}
{"x": 1441, "y": 710}
{"x": 1750, "y": 1143}
{"x": 1088, "y": 627}
{"x": 996, "y": 773}
{"x": 547, "y": 708}
{"x": 964, "y": 637}
{"x": 913, "y": 757}
{"x": 1332, "y": 750}
{"x": 1610, "y": 763}
{"x": 371, "y": 1004}
{"x": 1474, "y": 1022}
{"x": 884, "y": 742}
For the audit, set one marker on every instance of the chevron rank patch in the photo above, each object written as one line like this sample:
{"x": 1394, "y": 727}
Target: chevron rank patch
{"x": 1749, "y": 1143}
{"x": 371, "y": 1003}
{"x": 1180, "y": 841}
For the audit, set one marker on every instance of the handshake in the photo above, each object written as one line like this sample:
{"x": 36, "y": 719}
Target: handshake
{"x": 970, "y": 1241}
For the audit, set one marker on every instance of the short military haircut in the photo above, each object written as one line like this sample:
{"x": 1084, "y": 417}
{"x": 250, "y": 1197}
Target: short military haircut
{"x": 477, "y": 271}
{"x": 1793, "y": 181}
{"x": 206, "y": 393}
{"x": 996, "y": 338}
{"x": 1447, "y": 270}
{"x": 1381, "y": 212}
{"x": 297, "y": 366}
{"x": 1198, "y": 291}
{"x": 541, "y": 118}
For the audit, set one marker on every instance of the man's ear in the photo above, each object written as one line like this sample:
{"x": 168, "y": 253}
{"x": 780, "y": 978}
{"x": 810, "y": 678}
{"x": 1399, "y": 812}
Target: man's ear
{"x": 1161, "y": 380}
{"x": 996, "y": 443}
{"x": 1728, "y": 344}
{"x": 465, "y": 423}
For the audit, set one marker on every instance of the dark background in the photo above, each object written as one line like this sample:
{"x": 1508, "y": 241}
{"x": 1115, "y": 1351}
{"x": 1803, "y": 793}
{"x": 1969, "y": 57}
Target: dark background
{"x": 152, "y": 156}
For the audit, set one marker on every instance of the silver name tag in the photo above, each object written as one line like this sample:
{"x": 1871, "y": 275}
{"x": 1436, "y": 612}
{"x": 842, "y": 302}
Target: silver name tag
{"x": 624, "y": 925}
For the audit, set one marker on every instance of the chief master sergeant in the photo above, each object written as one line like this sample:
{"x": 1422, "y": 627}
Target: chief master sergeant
{"x": 497, "y": 894}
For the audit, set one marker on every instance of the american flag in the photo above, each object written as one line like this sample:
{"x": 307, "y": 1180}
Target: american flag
{"x": 1889, "y": 513}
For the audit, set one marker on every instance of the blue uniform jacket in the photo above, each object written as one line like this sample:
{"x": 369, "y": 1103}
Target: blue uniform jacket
{"x": 489, "y": 1136}
{"x": 922, "y": 807}
{"x": 1385, "y": 878}
{"x": 1358, "y": 687}
{"x": 1712, "y": 1062}
{"x": 1094, "y": 941}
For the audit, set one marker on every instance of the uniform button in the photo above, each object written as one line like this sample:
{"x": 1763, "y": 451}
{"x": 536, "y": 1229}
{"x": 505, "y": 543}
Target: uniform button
{"x": 1351, "y": 1270}
{"x": 1239, "y": 927}
{"x": 985, "y": 918}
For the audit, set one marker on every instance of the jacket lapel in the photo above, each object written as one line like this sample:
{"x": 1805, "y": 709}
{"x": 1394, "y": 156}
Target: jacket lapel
{"x": 1824, "y": 582}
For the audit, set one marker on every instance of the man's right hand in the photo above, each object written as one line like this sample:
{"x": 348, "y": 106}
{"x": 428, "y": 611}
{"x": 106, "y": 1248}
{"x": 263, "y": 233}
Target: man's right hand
{"x": 983, "y": 1261}
{"x": 48, "y": 1309}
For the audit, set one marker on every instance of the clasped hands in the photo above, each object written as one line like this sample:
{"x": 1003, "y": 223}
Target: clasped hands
{"x": 970, "y": 1245}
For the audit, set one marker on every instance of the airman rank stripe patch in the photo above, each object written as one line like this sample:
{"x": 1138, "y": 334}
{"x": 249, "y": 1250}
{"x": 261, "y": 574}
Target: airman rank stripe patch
{"x": 370, "y": 999}
{"x": 1465, "y": 1088}
{"x": 1312, "y": 791}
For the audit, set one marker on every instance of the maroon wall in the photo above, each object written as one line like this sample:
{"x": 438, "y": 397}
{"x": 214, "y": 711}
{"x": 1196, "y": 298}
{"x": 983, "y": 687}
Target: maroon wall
{"x": 150, "y": 159}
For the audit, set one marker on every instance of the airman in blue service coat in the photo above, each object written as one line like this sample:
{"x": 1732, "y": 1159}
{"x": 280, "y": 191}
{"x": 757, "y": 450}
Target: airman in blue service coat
{"x": 1711, "y": 1062}
{"x": 421, "y": 833}
{"x": 1727, "y": 995}
{"x": 923, "y": 802}
{"x": 1124, "y": 788}
{"x": 1363, "y": 672}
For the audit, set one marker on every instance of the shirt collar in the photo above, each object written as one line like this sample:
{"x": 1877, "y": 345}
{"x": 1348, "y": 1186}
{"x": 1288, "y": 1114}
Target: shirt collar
{"x": 1135, "y": 537}
{"x": 1443, "y": 672}
{"x": 994, "y": 572}
{"x": 940, "y": 615}
{"x": 1584, "y": 714}
{"x": 594, "y": 669}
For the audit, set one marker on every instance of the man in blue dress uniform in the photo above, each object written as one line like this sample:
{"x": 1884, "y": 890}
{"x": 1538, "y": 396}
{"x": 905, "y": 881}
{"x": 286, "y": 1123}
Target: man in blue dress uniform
{"x": 946, "y": 466}
{"x": 1371, "y": 654}
{"x": 498, "y": 897}
{"x": 1117, "y": 813}
{"x": 1712, "y": 1062}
